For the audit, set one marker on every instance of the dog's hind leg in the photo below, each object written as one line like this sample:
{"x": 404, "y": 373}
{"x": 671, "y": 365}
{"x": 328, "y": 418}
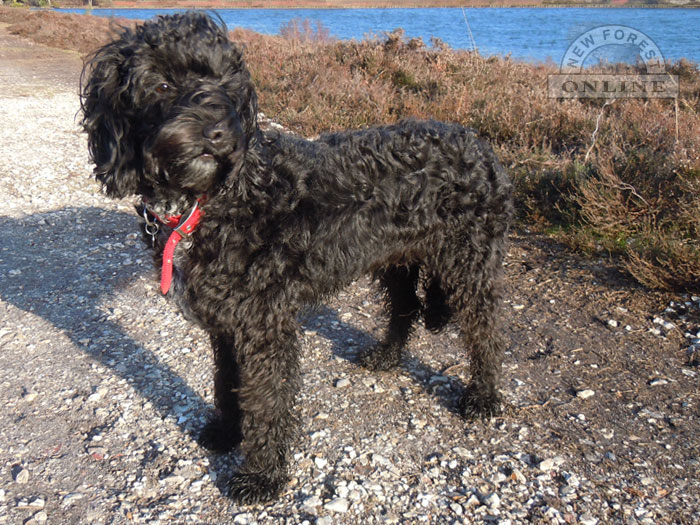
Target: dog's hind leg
{"x": 437, "y": 312}
{"x": 223, "y": 432}
{"x": 399, "y": 283}
{"x": 473, "y": 294}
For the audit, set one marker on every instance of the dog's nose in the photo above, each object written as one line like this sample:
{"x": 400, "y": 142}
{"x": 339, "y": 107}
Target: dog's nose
{"x": 217, "y": 134}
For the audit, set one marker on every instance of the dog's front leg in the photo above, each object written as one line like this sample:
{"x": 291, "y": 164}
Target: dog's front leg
{"x": 268, "y": 361}
{"x": 223, "y": 431}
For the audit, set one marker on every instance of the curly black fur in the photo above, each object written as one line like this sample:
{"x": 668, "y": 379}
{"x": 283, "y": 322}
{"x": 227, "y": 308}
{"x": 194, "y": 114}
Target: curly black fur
{"x": 170, "y": 112}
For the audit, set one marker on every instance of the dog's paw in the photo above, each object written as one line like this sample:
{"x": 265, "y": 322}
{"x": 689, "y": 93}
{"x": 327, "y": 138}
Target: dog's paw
{"x": 380, "y": 358}
{"x": 253, "y": 488}
{"x": 219, "y": 435}
{"x": 475, "y": 403}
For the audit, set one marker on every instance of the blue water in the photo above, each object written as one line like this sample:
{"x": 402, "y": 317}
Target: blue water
{"x": 534, "y": 35}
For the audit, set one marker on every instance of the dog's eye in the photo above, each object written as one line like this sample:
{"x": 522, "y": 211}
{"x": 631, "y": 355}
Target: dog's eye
{"x": 162, "y": 88}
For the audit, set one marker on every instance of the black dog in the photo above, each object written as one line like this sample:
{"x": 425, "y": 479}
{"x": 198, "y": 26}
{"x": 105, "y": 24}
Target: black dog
{"x": 276, "y": 222}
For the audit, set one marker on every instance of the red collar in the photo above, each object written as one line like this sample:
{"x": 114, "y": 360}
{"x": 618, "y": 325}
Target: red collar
{"x": 181, "y": 228}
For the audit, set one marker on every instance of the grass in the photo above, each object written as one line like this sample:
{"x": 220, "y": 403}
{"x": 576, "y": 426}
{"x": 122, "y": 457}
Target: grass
{"x": 631, "y": 193}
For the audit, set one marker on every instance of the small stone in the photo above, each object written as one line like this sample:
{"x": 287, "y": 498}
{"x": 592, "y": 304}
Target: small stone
{"x": 342, "y": 383}
{"x": 40, "y": 517}
{"x": 97, "y": 453}
{"x": 587, "y": 519}
{"x": 242, "y": 519}
{"x": 378, "y": 459}
{"x": 312, "y": 502}
{"x": 320, "y": 462}
{"x": 607, "y": 433}
{"x": 419, "y": 423}
{"x": 37, "y": 503}
{"x": 518, "y": 476}
{"x": 492, "y": 500}
{"x": 585, "y": 394}
{"x": 21, "y": 475}
{"x": 70, "y": 499}
{"x": 546, "y": 464}
{"x": 612, "y": 323}
{"x": 338, "y": 505}
{"x": 472, "y": 501}
{"x": 567, "y": 490}
{"x": 658, "y": 382}
{"x": 457, "y": 508}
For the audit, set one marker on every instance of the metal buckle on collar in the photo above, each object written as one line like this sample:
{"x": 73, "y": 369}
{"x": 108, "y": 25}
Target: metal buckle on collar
{"x": 185, "y": 229}
{"x": 151, "y": 228}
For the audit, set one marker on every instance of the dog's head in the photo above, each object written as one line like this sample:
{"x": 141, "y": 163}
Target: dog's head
{"x": 169, "y": 108}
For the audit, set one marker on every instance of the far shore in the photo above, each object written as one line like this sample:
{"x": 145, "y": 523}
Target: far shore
{"x": 371, "y": 4}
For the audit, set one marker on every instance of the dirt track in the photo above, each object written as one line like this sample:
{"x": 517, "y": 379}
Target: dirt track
{"x": 105, "y": 385}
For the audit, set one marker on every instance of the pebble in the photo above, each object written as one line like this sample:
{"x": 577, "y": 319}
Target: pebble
{"x": 97, "y": 453}
{"x": 37, "y": 503}
{"x": 587, "y": 519}
{"x": 419, "y": 423}
{"x": 342, "y": 383}
{"x": 667, "y": 325}
{"x": 550, "y": 463}
{"x": 472, "y": 502}
{"x": 30, "y": 396}
{"x": 340, "y": 505}
{"x": 566, "y": 490}
{"x": 70, "y": 499}
{"x": 21, "y": 475}
{"x": 585, "y": 394}
{"x": 312, "y": 502}
{"x": 492, "y": 500}
{"x": 518, "y": 476}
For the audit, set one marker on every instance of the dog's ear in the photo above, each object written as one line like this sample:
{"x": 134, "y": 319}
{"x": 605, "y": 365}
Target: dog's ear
{"x": 243, "y": 89}
{"x": 106, "y": 118}
{"x": 250, "y": 108}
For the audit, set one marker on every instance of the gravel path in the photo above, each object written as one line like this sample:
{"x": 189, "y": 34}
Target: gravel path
{"x": 105, "y": 385}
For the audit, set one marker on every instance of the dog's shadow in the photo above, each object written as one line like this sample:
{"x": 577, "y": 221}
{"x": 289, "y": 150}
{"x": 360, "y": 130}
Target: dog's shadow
{"x": 349, "y": 342}
{"x": 63, "y": 266}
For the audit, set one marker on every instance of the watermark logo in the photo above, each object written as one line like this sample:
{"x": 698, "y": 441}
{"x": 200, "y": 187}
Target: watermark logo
{"x": 605, "y": 46}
